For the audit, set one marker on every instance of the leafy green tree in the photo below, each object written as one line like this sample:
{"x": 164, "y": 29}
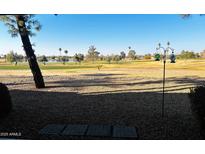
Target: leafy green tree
{"x": 23, "y": 25}
{"x": 122, "y": 55}
{"x": 14, "y": 57}
{"x": 131, "y": 54}
{"x": 116, "y": 58}
{"x": 10, "y": 57}
{"x": 79, "y": 57}
{"x": 197, "y": 55}
{"x": 108, "y": 59}
{"x": 43, "y": 59}
{"x": 93, "y": 54}
{"x": 64, "y": 59}
{"x": 102, "y": 57}
{"x": 19, "y": 58}
{"x": 53, "y": 57}
{"x": 187, "y": 55}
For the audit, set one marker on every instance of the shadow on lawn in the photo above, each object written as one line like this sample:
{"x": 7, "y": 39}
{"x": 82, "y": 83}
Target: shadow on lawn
{"x": 103, "y": 74}
{"x": 107, "y": 80}
{"x": 182, "y": 83}
{"x": 35, "y": 109}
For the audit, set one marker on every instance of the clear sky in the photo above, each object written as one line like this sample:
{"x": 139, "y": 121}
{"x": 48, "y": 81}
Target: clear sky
{"x": 111, "y": 34}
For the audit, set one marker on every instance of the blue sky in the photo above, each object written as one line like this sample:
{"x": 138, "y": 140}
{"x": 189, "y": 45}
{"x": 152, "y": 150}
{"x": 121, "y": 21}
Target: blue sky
{"x": 111, "y": 34}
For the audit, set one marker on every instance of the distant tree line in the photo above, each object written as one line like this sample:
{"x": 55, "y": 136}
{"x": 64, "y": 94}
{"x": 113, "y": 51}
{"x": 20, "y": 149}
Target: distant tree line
{"x": 185, "y": 54}
{"x": 13, "y": 57}
{"x": 94, "y": 55}
{"x": 42, "y": 59}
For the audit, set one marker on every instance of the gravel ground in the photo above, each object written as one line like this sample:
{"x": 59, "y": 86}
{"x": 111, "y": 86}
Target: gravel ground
{"x": 105, "y": 97}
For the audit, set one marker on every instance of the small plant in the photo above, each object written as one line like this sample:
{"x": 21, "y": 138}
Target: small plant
{"x": 197, "y": 97}
{"x": 5, "y": 101}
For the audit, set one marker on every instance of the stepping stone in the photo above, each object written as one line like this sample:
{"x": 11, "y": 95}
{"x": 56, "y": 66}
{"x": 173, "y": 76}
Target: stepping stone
{"x": 75, "y": 130}
{"x": 52, "y": 129}
{"x": 124, "y": 132}
{"x": 99, "y": 130}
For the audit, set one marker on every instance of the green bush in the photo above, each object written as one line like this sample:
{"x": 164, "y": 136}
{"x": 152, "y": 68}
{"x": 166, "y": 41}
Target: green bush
{"x": 5, "y": 101}
{"x": 197, "y": 99}
{"x": 187, "y": 55}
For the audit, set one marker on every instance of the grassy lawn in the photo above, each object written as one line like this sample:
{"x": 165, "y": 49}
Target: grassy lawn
{"x": 127, "y": 93}
{"x": 145, "y": 64}
{"x": 49, "y": 66}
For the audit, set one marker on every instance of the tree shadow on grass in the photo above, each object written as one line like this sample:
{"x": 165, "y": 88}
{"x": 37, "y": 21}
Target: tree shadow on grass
{"x": 108, "y": 80}
{"x": 103, "y": 74}
{"x": 180, "y": 83}
{"x": 32, "y": 110}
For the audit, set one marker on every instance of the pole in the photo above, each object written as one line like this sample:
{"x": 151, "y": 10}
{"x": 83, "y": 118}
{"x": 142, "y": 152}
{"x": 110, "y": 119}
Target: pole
{"x": 164, "y": 60}
{"x": 163, "y": 103}
{"x": 163, "y": 89}
{"x": 165, "y": 127}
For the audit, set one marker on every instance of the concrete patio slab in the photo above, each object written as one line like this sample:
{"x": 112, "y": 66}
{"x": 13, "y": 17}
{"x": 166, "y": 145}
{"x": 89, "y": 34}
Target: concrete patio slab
{"x": 82, "y": 130}
{"x": 52, "y": 129}
{"x": 99, "y": 130}
{"x": 124, "y": 132}
{"x": 78, "y": 130}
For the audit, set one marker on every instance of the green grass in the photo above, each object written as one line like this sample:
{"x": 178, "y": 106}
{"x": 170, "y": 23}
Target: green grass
{"x": 53, "y": 66}
{"x": 12, "y": 67}
{"x": 138, "y": 64}
{"x": 47, "y": 67}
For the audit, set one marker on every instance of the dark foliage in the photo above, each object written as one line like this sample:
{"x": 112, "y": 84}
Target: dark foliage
{"x": 197, "y": 96}
{"x": 5, "y": 101}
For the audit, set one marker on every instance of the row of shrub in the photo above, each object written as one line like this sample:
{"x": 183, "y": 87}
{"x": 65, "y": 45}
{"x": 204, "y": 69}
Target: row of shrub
{"x": 197, "y": 99}
{"x": 5, "y": 101}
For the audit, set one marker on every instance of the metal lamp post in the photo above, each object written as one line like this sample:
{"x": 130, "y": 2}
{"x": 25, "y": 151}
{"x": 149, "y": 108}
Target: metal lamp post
{"x": 165, "y": 51}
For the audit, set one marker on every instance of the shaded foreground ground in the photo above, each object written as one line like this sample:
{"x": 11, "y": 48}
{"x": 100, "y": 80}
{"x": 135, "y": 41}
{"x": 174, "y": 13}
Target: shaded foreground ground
{"x": 103, "y": 97}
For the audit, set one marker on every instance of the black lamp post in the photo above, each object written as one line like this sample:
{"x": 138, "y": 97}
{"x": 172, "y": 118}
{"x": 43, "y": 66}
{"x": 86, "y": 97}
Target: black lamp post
{"x": 165, "y": 51}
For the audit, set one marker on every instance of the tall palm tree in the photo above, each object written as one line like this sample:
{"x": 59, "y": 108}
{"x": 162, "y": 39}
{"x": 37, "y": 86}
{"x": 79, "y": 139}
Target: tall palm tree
{"x": 66, "y": 52}
{"x": 60, "y": 49}
{"x": 65, "y": 57}
{"x": 23, "y": 25}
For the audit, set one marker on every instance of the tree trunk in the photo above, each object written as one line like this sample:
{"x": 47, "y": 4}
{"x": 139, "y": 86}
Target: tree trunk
{"x": 38, "y": 78}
